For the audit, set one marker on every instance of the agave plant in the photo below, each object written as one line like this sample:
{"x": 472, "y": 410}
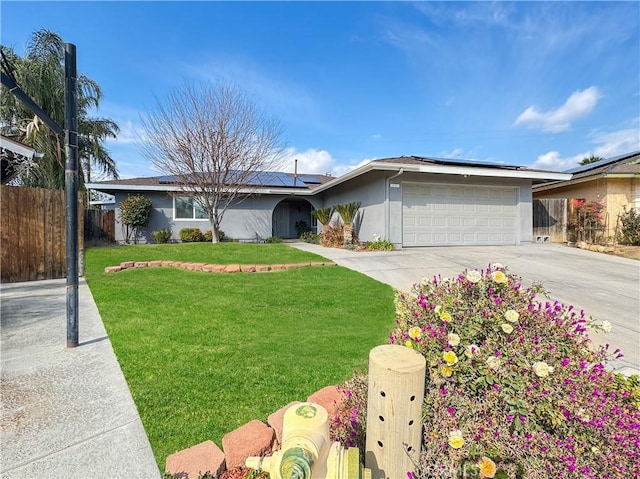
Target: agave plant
{"x": 348, "y": 213}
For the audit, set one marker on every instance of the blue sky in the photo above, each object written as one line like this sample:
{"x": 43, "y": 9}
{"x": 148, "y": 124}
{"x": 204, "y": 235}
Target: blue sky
{"x": 537, "y": 83}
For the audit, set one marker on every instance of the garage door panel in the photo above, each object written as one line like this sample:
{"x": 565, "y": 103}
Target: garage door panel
{"x": 456, "y": 215}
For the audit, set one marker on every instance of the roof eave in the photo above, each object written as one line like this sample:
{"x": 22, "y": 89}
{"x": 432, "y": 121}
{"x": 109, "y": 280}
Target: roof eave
{"x": 106, "y": 187}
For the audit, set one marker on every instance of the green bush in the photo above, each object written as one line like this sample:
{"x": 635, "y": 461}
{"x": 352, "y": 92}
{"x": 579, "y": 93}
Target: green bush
{"x": 134, "y": 215}
{"x": 301, "y": 228}
{"x": 191, "y": 235}
{"x": 162, "y": 236}
{"x": 208, "y": 236}
{"x": 273, "y": 239}
{"x": 310, "y": 237}
{"x": 380, "y": 245}
{"x": 514, "y": 388}
{"x": 630, "y": 227}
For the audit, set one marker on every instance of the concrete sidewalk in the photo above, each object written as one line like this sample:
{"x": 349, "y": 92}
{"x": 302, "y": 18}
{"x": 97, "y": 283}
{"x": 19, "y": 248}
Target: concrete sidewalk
{"x": 606, "y": 287}
{"x": 66, "y": 413}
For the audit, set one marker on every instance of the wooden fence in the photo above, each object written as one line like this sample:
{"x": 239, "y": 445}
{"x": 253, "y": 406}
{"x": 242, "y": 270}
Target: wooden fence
{"x": 550, "y": 219}
{"x": 32, "y": 239}
{"x": 99, "y": 227}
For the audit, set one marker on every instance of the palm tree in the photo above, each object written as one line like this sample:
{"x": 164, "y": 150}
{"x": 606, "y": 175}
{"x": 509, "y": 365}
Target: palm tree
{"x": 348, "y": 213}
{"x": 40, "y": 74}
{"x": 324, "y": 215}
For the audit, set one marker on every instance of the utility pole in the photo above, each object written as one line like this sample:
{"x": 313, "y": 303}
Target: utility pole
{"x": 71, "y": 172}
{"x": 71, "y": 190}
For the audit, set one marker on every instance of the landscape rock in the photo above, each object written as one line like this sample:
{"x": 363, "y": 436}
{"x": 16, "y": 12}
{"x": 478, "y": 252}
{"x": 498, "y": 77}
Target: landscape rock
{"x": 253, "y": 439}
{"x": 330, "y": 398}
{"x": 196, "y": 461}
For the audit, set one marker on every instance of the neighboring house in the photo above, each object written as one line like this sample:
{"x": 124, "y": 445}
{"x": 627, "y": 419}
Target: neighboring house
{"x": 409, "y": 200}
{"x": 613, "y": 181}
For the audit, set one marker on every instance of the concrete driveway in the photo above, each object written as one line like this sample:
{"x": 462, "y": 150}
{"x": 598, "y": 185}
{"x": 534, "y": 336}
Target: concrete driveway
{"x": 605, "y": 287}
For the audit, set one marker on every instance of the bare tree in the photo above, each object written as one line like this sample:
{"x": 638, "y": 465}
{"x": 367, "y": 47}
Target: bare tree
{"x": 215, "y": 142}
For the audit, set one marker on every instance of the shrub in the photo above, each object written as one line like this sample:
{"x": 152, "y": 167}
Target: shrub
{"x": 516, "y": 376}
{"x": 134, "y": 215}
{"x": 162, "y": 236}
{"x": 629, "y": 227}
{"x": 380, "y": 245}
{"x": 273, "y": 239}
{"x": 310, "y": 237}
{"x": 332, "y": 235}
{"x": 301, "y": 228}
{"x": 324, "y": 215}
{"x": 191, "y": 235}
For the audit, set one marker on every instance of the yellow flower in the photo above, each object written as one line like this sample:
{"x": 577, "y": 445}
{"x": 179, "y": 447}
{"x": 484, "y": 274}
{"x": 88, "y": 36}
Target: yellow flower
{"x": 507, "y": 328}
{"x": 499, "y": 277}
{"x": 446, "y": 317}
{"x": 415, "y": 332}
{"x": 453, "y": 339}
{"x": 487, "y": 467}
{"x": 408, "y": 344}
{"x": 450, "y": 358}
{"x": 446, "y": 371}
{"x": 512, "y": 316}
{"x": 455, "y": 439}
{"x": 542, "y": 369}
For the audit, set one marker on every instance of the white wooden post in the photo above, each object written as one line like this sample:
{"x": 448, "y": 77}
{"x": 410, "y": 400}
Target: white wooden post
{"x": 394, "y": 411}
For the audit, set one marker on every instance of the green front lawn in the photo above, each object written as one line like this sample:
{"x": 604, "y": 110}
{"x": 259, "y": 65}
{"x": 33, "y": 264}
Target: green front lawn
{"x": 204, "y": 353}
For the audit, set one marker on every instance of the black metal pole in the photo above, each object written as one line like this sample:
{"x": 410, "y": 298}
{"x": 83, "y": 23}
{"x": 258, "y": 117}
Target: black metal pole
{"x": 71, "y": 191}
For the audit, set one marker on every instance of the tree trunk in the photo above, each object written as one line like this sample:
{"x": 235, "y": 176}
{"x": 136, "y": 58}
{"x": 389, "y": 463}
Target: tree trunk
{"x": 348, "y": 234}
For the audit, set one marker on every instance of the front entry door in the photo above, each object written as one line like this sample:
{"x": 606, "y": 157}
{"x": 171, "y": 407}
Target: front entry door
{"x": 281, "y": 221}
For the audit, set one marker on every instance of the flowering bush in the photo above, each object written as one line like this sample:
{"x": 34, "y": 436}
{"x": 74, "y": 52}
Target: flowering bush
{"x": 514, "y": 387}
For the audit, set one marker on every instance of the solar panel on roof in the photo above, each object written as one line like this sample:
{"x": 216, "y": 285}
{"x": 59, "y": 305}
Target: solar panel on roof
{"x": 312, "y": 180}
{"x": 166, "y": 179}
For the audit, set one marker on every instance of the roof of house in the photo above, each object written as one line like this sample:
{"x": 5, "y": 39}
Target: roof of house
{"x": 263, "y": 181}
{"x": 627, "y": 165}
{"x": 278, "y": 182}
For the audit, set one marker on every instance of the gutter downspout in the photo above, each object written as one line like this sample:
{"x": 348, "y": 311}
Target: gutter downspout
{"x": 387, "y": 206}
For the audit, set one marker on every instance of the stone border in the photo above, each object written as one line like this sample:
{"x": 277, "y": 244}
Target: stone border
{"x": 255, "y": 438}
{"x": 215, "y": 268}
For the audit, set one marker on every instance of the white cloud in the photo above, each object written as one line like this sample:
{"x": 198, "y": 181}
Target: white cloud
{"x": 377, "y": 136}
{"x": 553, "y": 161}
{"x": 616, "y": 143}
{"x": 578, "y": 105}
{"x": 309, "y": 161}
{"x": 340, "y": 170}
{"x": 608, "y": 145}
{"x": 128, "y": 134}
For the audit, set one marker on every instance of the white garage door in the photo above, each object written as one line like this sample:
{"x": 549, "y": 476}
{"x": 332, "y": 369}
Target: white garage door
{"x": 436, "y": 214}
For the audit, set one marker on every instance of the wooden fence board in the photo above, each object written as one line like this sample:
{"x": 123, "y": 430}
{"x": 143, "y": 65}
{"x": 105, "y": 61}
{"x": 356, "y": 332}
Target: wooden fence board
{"x": 33, "y": 233}
{"x": 550, "y": 219}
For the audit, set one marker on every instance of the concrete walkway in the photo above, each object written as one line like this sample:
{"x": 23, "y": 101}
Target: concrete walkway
{"x": 606, "y": 287}
{"x": 66, "y": 413}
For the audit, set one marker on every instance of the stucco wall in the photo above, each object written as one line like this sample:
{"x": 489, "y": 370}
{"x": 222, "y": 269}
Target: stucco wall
{"x": 248, "y": 220}
{"x": 378, "y": 209}
{"x": 369, "y": 190}
{"x": 615, "y": 194}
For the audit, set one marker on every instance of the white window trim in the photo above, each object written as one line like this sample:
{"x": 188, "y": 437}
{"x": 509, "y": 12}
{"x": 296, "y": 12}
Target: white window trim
{"x": 193, "y": 218}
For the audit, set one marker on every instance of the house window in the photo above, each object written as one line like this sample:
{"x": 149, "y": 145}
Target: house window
{"x": 185, "y": 208}
{"x": 314, "y": 221}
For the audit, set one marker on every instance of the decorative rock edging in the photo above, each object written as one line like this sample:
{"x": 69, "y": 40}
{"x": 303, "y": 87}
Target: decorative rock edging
{"x": 253, "y": 439}
{"x": 215, "y": 268}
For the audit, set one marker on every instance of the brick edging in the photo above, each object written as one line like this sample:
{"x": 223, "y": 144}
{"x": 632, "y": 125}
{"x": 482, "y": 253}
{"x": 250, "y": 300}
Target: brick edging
{"x": 215, "y": 268}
